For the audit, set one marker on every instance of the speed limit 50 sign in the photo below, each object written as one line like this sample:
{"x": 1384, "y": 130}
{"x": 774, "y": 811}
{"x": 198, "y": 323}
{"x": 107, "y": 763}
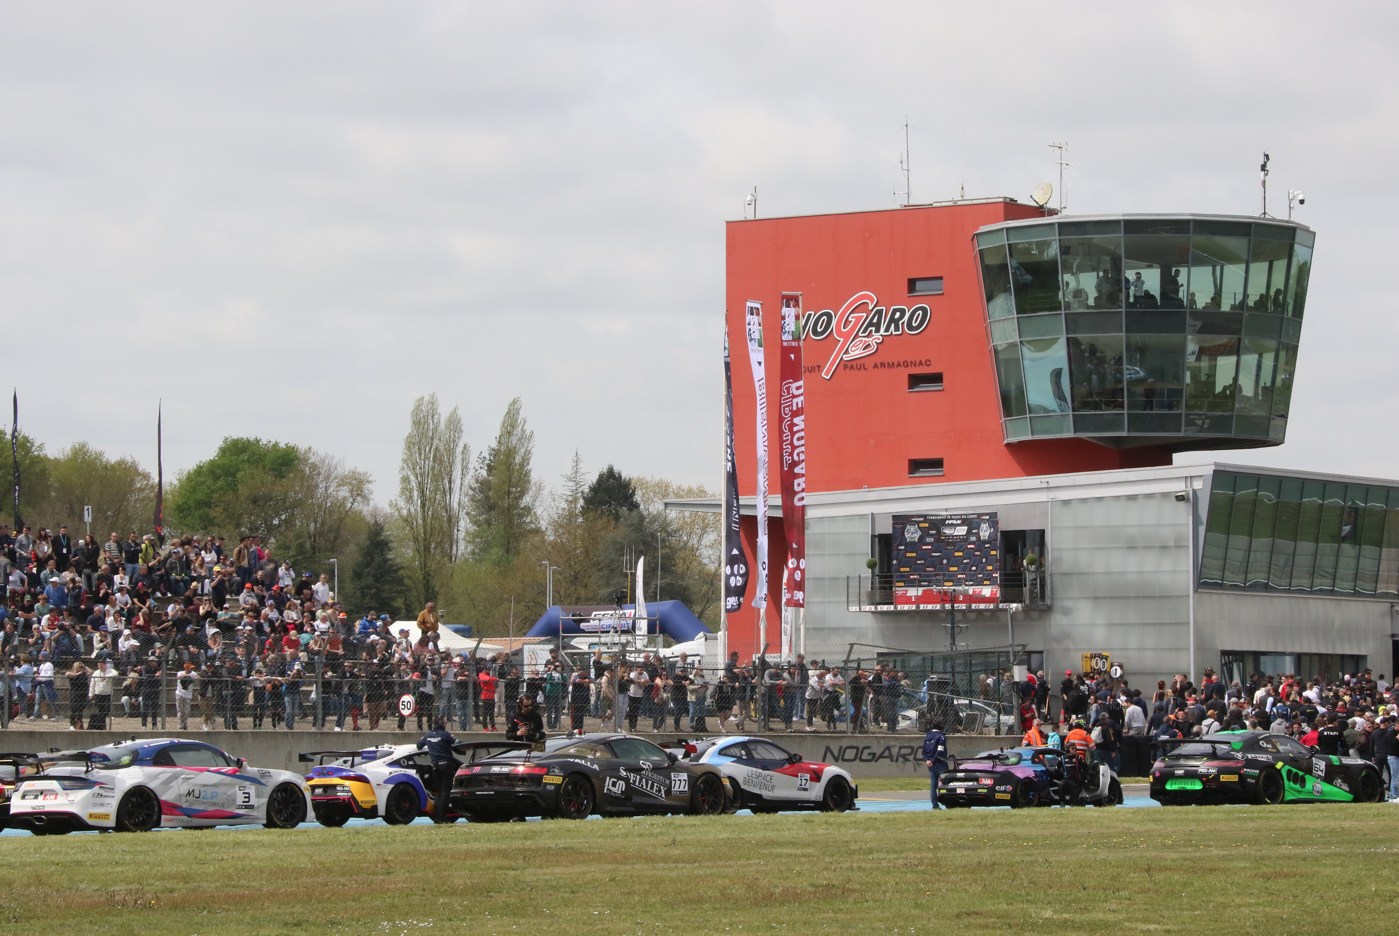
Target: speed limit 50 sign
{"x": 406, "y": 705}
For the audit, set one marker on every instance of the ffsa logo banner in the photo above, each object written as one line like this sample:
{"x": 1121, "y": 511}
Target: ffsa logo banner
{"x": 861, "y": 326}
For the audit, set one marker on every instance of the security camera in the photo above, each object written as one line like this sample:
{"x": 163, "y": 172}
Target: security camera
{"x": 1301, "y": 199}
{"x": 1181, "y": 496}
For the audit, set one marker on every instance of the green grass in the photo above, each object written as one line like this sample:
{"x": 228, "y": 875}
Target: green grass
{"x": 1085, "y": 871}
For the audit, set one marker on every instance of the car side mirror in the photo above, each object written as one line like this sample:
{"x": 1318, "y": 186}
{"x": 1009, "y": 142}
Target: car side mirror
{"x": 241, "y": 763}
{"x": 794, "y": 758}
{"x": 1313, "y": 748}
{"x": 672, "y": 756}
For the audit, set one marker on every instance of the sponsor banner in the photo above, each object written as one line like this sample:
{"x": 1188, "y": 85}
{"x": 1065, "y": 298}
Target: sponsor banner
{"x": 787, "y": 613}
{"x": 735, "y": 559}
{"x": 640, "y": 597}
{"x": 792, "y": 452}
{"x": 952, "y": 561}
{"x": 753, "y": 323}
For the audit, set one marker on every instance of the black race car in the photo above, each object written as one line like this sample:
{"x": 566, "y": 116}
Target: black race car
{"x": 1259, "y": 767}
{"x": 572, "y": 778}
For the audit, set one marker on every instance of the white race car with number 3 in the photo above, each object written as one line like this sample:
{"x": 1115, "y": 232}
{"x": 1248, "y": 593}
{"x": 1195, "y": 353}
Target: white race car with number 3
{"x": 140, "y": 785}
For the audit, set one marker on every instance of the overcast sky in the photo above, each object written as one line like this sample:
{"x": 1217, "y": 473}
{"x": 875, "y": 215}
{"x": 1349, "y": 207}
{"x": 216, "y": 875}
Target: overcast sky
{"x": 291, "y": 219}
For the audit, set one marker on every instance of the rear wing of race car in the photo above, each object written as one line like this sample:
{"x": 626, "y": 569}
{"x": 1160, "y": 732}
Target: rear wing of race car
{"x": 320, "y": 757}
{"x": 19, "y": 761}
{"x": 495, "y": 747}
{"x": 1177, "y": 742}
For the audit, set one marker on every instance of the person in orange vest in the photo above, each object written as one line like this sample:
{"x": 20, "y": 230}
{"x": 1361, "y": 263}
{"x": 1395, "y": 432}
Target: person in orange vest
{"x": 1079, "y": 742}
{"x": 1034, "y": 737}
{"x": 1078, "y": 746}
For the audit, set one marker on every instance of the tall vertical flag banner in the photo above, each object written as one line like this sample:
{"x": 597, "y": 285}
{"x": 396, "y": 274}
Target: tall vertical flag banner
{"x": 787, "y": 612}
{"x": 159, "y": 520}
{"x": 753, "y": 319}
{"x": 735, "y": 559}
{"x": 639, "y": 615}
{"x": 14, "y": 451}
{"x": 791, "y": 431}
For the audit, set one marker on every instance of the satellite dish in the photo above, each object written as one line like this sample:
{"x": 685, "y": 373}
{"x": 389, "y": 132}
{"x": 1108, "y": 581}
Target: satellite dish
{"x": 1042, "y": 193}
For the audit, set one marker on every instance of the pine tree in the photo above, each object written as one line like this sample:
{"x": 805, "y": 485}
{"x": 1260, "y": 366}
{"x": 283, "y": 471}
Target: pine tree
{"x": 376, "y": 581}
{"x": 611, "y": 494}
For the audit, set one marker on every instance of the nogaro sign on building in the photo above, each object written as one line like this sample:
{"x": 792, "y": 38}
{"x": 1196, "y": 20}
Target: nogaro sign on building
{"x": 859, "y": 331}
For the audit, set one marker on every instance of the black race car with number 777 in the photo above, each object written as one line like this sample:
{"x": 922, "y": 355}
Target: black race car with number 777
{"x": 572, "y": 778}
{"x": 1259, "y": 767}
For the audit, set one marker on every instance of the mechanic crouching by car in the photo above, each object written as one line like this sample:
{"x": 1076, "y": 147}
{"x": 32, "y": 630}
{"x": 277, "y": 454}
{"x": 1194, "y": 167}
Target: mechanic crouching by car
{"x": 439, "y": 743}
{"x": 935, "y": 756}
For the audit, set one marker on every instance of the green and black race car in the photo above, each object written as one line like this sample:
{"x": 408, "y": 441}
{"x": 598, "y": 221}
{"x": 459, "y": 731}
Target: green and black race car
{"x": 1259, "y": 767}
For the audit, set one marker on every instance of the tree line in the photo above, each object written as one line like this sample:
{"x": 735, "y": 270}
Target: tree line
{"x": 471, "y": 534}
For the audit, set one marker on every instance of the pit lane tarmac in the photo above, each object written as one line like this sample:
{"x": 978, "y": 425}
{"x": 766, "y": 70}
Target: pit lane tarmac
{"x": 873, "y": 802}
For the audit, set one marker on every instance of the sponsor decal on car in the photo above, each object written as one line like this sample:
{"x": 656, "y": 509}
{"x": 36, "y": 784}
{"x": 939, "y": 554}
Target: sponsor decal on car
{"x": 99, "y": 817}
{"x": 1002, "y": 796}
{"x": 1228, "y": 777}
{"x": 614, "y": 787}
{"x": 647, "y": 783}
{"x": 553, "y": 778}
{"x": 803, "y": 781}
{"x": 264, "y": 774}
{"x": 679, "y": 783}
{"x": 1318, "y": 766}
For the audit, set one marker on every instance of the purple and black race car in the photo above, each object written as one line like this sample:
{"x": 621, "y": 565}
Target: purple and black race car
{"x": 1029, "y": 776}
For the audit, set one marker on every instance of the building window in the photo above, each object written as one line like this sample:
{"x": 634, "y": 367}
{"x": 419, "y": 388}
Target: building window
{"x": 925, "y": 286}
{"x": 925, "y": 467}
{"x": 918, "y": 382}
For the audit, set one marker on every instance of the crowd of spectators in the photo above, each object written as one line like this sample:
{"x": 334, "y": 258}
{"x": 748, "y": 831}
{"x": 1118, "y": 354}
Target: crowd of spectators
{"x": 1353, "y": 715}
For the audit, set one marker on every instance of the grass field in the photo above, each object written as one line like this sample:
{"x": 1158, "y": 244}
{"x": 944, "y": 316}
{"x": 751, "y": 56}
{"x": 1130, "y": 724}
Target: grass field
{"x": 1086, "y": 871}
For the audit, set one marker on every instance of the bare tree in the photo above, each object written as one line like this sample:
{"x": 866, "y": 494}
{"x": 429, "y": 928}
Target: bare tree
{"x": 431, "y": 488}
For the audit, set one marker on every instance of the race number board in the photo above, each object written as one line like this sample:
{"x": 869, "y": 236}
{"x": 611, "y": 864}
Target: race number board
{"x": 406, "y": 705}
{"x": 952, "y": 561}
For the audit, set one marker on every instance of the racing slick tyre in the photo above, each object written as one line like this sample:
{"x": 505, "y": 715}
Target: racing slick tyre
{"x": 1023, "y": 795}
{"x": 1114, "y": 794}
{"x": 286, "y": 807}
{"x": 333, "y": 818}
{"x": 575, "y": 798}
{"x": 839, "y": 797}
{"x": 1370, "y": 789}
{"x": 402, "y": 805}
{"x": 707, "y": 797}
{"x": 1270, "y": 788}
{"x": 139, "y": 810}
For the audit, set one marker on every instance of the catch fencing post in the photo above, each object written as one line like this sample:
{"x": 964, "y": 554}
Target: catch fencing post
{"x": 320, "y": 707}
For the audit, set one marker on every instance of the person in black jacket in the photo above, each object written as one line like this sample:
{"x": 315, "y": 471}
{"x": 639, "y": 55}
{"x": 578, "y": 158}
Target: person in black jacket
{"x": 935, "y": 756}
{"x": 1385, "y": 742}
{"x": 439, "y": 743}
{"x": 1331, "y": 738}
{"x": 526, "y": 724}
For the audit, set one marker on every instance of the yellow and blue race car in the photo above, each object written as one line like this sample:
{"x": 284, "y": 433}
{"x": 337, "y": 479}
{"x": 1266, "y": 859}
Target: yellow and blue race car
{"x": 392, "y": 782}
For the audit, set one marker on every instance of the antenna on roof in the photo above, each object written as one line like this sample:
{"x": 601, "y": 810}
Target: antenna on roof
{"x": 1263, "y": 179}
{"x": 906, "y": 167}
{"x": 1062, "y": 151}
{"x": 962, "y": 192}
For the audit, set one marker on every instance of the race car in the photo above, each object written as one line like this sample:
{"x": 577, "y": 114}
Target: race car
{"x": 392, "y": 781}
{"x": 1259, "y": 767}
{"x": 138, "y": 785}
{"x": 1029, "y": 776}
{"x": 768, "y": 778}
{"x": 572, "y": 778}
